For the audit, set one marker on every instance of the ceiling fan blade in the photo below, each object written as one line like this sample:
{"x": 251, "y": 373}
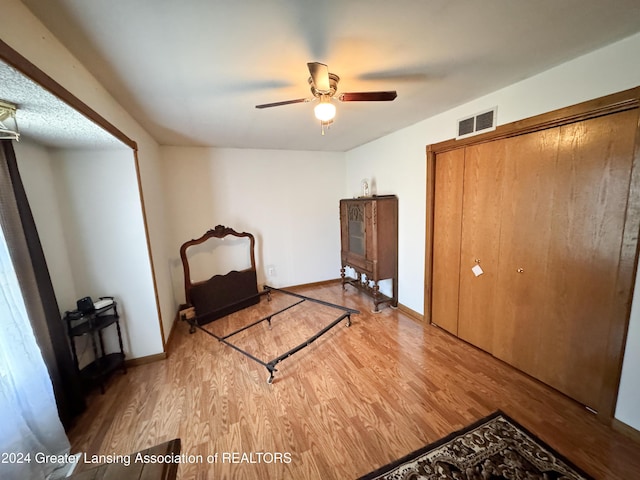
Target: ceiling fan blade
{"x": 286, "y": 102}
{"x": 367, "y": 96}
{"x": 320, "y": 76}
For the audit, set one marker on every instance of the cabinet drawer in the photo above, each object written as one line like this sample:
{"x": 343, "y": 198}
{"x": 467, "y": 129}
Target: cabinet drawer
{"x": 358, "y": 262}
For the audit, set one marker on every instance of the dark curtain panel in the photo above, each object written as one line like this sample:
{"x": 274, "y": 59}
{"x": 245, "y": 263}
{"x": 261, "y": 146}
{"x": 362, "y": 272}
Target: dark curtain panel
{"x": 33, "y": 275}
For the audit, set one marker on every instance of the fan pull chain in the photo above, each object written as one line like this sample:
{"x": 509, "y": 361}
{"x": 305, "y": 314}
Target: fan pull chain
{"x": 324, "y": 124}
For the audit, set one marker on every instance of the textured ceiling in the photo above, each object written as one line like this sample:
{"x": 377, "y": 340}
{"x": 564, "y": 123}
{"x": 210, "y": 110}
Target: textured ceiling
{"x": 45, "y": 119}
{"x": 192, "y": 71}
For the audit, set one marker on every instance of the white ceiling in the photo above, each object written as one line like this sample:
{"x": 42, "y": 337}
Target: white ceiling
{"x": 45, "y": 119}
{"x": 192, "y": 71}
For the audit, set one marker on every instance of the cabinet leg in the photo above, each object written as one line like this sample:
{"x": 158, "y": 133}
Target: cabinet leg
{"x": 342, "y": 276}
{"x": 376, "y": 297}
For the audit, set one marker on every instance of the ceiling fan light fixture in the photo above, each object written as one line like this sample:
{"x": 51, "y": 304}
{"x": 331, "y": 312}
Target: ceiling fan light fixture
{"x": 324, "y": 86}
{"x": 325, "y": 111}
{"x": 8, "y": 123}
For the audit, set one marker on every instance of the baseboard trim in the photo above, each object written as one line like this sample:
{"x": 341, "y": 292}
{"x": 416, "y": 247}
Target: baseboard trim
{"x": 403, "y": 308}
{"x": 176, "y": 319}
{"x": 626, "y": 430}
{"x": 322, "y": 283}
{"x": 135, "y": 362}
{"x": 411, "y": 313}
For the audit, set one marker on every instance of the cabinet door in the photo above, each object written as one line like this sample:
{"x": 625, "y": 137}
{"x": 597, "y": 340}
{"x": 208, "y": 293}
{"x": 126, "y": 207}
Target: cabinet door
{"x": 483, "y": 172}
{"x": 356, "y": 227}
{"x": 358, "y": 235}
{"x": 447, "y": 229}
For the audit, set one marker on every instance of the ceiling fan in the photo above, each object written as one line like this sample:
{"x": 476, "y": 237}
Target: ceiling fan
{"x": 324, "y": 86}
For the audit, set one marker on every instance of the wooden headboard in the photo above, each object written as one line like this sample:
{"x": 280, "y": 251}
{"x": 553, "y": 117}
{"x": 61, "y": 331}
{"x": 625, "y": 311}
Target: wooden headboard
{"x": 220, "y": 295}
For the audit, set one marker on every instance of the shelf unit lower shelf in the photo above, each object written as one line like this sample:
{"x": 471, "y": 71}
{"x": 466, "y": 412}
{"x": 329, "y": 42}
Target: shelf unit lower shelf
{"x": 103, "y": 367}
{"x": 93, "y": 324}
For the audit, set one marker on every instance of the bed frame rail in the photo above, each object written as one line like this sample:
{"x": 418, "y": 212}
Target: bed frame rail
{"x": 271, "y": 364}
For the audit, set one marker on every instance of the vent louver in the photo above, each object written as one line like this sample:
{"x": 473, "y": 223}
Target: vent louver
{"x": 478, "y": 123}
{"x": 466, "y": 126}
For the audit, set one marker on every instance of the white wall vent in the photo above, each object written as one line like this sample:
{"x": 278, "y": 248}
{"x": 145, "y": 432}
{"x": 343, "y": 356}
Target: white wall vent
{"x": 479, "y": 123}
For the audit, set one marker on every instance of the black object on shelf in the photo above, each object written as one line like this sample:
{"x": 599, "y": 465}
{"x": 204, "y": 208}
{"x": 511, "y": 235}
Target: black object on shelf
{"x": 92, "y": 323}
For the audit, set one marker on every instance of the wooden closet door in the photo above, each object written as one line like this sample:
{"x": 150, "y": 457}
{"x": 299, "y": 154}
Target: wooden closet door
{"x": 564, "y": 199}
{"x": 592, "y": 186}
{"x": 483, "y": 172}
{"x": 447, "y": 230}
{"x": 524, "y": 272}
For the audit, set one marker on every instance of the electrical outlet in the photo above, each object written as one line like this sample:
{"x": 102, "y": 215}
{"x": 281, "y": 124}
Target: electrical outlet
{"x": 271, "y": 271}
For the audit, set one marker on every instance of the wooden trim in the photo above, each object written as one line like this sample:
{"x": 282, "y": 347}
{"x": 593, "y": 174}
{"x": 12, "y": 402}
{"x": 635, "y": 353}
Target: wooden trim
{"x": 174, "y": 325}
{"x": 614, "y": 103}
{"x": 322, "y": 283}
{"x": 411, "y": 313}
{"x": 20, "y": 63}
{"x": 135, "y": 362}
{"x": 428, "y": 254}
{"x": 626, "y": 430}
{"x": 149, "y": 252}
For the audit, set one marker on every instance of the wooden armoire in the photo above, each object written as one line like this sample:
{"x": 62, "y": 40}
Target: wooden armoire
{"x": 532, "y": 236}
{"x": 369, "y": 245}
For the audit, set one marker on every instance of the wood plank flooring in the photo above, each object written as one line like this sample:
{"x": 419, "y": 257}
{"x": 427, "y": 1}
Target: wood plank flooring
{"x": 356, "y": 399}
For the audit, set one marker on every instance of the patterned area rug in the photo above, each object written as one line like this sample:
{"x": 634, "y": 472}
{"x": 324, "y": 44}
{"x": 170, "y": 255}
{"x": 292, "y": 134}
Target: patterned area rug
{"x": 493, "y": 448}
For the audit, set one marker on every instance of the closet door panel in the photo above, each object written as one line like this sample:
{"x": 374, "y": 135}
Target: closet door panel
{"x": 592, "y": 185}
{"x": 447, "y": 228}
{"x": 524, "y": 271}
{"x": 479, "y": 243}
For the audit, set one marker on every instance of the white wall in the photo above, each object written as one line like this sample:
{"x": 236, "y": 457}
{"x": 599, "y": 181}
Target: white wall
{"x": 88, "y": 215}
{"x": 105, "y": 237}
{"x": 396, "y": 166}
{"x": 629, "y": 392}
{"x": 153, "y": 195}
{"x": 287, "y": 199}
{"x": 398, "y": 163}
{"x": 41, "y": 185}
{"x": 23, "y": 32}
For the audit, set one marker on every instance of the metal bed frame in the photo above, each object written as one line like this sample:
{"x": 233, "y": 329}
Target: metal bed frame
{"x": 271, "y": 364}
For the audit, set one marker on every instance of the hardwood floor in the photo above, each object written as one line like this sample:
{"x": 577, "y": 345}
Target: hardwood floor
{"x": 356, "y": 399}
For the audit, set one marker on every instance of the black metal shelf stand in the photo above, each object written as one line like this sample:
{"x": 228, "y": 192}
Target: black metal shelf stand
{"x": 92, "y": 323}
